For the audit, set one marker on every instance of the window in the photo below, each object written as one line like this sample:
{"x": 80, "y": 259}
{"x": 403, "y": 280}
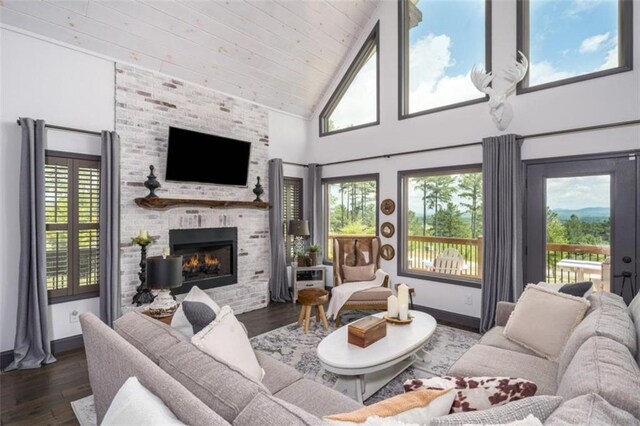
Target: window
{"x": 355, "y": 102}
{"x": 72, "y": 210}
{"x": 569, "y": 41}
{"x": 440, "y": 41}
{"x": 292, "y": 210}
{"x": 351, "y": 208}
{"x": 441, "y": 224}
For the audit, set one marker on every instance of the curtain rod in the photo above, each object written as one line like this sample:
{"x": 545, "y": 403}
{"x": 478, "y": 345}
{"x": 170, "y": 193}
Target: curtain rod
{"x": 465, "y": 145}
{"x": 68, "y": 129}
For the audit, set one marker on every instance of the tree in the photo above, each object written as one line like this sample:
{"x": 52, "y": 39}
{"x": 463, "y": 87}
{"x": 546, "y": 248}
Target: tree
{"x": 438, "y": 192}
{"x": 575, "y": 233}
{"x": 420, "y": 184}
{"x": 449, "y": 219}
{"x": 556, "y": 232}
{"x": 470, "y": 186}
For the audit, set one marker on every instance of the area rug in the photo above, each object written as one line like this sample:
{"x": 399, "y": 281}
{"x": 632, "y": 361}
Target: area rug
{"x": 297, "y": 349}
{"x": 290, "y": 345}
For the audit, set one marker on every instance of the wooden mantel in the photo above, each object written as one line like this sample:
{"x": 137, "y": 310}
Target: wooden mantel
{"x": 164, "y": 203}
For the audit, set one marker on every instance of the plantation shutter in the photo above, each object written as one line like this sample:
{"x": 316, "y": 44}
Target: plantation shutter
{"x": 72, "y": 215}
{"x": 292, "y": 210}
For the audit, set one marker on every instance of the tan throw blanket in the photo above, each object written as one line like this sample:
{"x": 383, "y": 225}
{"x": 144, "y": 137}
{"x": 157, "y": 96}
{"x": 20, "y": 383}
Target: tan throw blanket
{"x": 342, "y": 293}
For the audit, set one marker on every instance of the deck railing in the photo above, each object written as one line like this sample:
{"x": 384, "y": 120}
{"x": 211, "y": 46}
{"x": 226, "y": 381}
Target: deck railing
{"x": 422, "y": 251}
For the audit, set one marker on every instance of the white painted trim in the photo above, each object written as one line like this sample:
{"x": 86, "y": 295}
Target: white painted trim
{"x": 116, "y": 61}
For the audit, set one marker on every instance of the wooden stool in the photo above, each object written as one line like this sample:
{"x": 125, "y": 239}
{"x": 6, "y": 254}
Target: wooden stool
{"x": 412, "y": 291}
{"x": 308, "y": 298}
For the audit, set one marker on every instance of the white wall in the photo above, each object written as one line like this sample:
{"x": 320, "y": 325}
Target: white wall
{"x": 64, "y": 87}
{"x": 598, "y": 101}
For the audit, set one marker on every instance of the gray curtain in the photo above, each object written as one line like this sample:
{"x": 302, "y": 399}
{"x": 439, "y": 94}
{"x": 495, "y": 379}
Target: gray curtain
{"x": 279, "y": 280}
{"x": 32, "y": 347}
{"x": 313, "y": 203}
{"x": 110, "y": 228}
{"x": 503, "y": 183}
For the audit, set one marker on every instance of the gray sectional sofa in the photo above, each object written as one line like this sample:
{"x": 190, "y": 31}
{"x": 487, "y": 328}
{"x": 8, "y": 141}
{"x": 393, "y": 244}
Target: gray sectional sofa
{"x": 197, "y": 388}
{"x": 597, "y": 359}
{"x": 597, "y": 375}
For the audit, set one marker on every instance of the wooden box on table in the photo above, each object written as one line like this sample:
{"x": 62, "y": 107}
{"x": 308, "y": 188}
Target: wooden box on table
{"x": 366, "y": 331}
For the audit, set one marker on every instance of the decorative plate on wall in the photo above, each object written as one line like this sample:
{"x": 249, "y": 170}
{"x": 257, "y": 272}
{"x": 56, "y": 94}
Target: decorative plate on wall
{"x": 387, "y": 229}
{"x": 388, "y": 206}
{"x": 387, "y": 252}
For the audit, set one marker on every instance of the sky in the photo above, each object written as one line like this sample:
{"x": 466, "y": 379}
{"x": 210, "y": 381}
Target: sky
{"x": 575, "y": 193}
{"x": 568, "y": 38}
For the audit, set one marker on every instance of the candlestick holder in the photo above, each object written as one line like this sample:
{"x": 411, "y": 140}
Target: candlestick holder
{"x": 143, "y": 294}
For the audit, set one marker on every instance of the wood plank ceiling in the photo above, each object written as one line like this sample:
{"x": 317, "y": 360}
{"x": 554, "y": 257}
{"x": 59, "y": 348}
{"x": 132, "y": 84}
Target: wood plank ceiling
{"x": 280, "y": 53}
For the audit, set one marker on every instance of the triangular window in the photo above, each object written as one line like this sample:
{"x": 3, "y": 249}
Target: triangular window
{"x": 355, "y": 102}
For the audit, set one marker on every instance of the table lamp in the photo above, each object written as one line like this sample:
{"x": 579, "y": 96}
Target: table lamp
{"x": 299, "y": 229}
{"x": 163, "y": 274}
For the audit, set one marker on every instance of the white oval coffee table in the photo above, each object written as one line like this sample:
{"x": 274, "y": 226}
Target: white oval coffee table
{"x": 363, "y": 371}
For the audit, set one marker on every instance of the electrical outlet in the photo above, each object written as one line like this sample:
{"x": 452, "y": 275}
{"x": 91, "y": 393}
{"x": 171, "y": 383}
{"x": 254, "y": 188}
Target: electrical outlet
{"x": 468, "y": 300}
{"x": 74, "y": 316}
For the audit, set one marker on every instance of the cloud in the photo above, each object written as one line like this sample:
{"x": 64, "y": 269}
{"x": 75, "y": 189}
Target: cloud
{"x": 545, "y": 72}
{"x": 593, "y": 43}
{"x": 579, "y": 192}
{"x": 612, "y": 59}
{"x": 358, "y": 105}
{"x": 429, "y": 86}
{"x": 580, "y": 6}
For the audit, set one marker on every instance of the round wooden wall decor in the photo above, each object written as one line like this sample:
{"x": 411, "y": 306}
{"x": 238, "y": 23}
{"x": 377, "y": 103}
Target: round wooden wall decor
{"x": 387, "y": 229}
{"x": 387, "y": 252}
{"x": 388, "y": 206}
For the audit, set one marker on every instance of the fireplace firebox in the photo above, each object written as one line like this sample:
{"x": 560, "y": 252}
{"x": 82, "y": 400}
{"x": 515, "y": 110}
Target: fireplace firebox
{"x": 209, "y": 256}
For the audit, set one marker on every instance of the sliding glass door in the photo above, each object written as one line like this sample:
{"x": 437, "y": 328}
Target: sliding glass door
{"x": 582, "y": 222}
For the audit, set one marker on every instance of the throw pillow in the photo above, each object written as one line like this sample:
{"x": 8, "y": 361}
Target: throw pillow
{"x": 198, "y": 314}
{"x": 358, "y": 273}
{"x": 180, "y": 321}
{"x": 540, "y": 407}
{"x": 477, "y": 393}
{"x": 136, "y": 405}
{"x": 414, "y": 407}
{"x": 225, "y": 339}
{"x": 582, "y": 289}
{"x": 543, "y": 320}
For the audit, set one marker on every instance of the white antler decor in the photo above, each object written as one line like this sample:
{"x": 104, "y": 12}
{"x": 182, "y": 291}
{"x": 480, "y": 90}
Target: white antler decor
{"x": 500, "y": 109}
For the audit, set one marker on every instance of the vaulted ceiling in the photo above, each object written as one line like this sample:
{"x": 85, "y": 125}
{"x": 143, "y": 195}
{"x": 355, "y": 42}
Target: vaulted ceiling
{"x": 280, "y": 53}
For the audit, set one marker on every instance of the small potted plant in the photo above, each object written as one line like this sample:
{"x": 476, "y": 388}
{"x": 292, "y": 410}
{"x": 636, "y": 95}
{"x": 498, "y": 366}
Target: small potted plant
{"x": 302, "y": 258}
{"x": 314, "y": 250}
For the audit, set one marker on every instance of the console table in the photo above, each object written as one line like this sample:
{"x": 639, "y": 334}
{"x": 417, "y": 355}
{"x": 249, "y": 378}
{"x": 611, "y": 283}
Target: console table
{"x": 308, "y": 277}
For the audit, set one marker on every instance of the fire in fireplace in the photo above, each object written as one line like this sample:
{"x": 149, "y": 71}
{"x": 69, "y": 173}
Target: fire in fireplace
{"x": 209, "y": 256}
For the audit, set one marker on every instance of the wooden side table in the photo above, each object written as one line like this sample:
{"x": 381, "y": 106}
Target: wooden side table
{"x": 166, "y": 320}
{"x": 308, "y": 298}
{"x": 308, "y": 277}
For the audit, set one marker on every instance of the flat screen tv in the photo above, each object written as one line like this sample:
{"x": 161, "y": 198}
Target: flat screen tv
{"x": 199, "y": 157}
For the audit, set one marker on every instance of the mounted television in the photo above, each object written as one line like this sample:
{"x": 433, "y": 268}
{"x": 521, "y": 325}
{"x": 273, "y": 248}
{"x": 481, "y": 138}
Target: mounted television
{"x": 199, "y": 157}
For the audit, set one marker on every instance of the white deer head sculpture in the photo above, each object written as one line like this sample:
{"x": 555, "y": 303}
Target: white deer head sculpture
{"x": 500, "y": 108}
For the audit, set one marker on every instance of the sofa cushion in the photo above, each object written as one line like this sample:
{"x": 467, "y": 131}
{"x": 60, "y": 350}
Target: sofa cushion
{"x": 371, "y": 294}
{"x": 634, "y": 312}
{"x": 148, "y": 335}
{"x": 495, "y": 337}
{"x": 555, "y": 316}
{"x": 608, "y": 321}
{"x": 317, "y": 399}
{"x": 589, "y": 410}
{"x": 265, "y": 410}
{"x": 605, "y": 367}
{"x": 277, "y": 374}
{"x": 223, "y": 388}
{"x": 482, "y": 360}
{"x": 540, "y": 407}
{"x": 604, "y": 298}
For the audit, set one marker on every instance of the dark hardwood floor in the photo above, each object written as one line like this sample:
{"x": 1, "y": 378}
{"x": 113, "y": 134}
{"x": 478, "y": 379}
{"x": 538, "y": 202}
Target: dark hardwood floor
{"x": 43, "y": 396}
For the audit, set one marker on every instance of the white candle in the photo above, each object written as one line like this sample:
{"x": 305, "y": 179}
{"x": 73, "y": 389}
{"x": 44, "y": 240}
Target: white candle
{"x": 403, "y": 302}
{"x": 166, "y": 252}
{"x": 392, "y": 306}
{"x": 143, "y": 234}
